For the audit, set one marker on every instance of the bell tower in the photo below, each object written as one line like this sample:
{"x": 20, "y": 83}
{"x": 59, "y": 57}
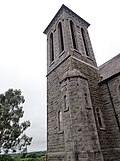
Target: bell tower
{"x": 72, "y": 90}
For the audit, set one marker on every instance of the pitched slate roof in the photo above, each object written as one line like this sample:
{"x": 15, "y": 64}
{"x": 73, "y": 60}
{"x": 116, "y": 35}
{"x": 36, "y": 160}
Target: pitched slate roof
{"x": 110, "y": 68}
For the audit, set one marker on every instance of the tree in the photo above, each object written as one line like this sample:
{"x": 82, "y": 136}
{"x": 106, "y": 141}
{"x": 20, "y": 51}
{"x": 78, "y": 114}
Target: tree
{"x": 12, "y": 135}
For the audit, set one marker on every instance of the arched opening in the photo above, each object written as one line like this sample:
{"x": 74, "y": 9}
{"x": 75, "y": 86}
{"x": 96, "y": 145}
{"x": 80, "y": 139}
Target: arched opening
{"x": 99, "y": 117}
{"x": 60, "y": 122}
{"x": 65, "y": 102}
{"x": 72, "y": 28}
{"x": 51, "y": 48}
{"x": 60, "y": 37}
{"x": 86, "y": 99}
{"x": 119, "y": 91}
{"x": 84, "y": 41}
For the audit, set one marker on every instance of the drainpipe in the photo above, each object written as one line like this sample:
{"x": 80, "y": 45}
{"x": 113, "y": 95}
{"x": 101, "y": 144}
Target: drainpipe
{"x": 111, "y": 99}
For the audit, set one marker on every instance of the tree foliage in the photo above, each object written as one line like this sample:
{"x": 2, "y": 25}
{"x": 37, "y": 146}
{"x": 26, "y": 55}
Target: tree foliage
{"x": 6, "y": 158}
{"x": 12, "y": 135}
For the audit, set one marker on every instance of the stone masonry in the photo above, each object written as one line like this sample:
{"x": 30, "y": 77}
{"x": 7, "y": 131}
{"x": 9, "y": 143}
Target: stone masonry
{"x": 83, "y": 102}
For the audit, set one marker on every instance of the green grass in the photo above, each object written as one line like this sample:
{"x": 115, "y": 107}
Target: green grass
{"x": 32, "y": 156}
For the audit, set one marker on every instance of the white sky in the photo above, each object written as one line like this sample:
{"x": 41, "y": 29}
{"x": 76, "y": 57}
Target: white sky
{"x": 23, "y": 49}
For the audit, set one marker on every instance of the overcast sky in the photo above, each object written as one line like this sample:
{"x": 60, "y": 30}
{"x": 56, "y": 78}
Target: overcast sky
{"x": 23, "y": 49}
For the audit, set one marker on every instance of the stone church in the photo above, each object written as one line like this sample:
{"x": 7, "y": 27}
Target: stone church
{"x": 83, "y": 100}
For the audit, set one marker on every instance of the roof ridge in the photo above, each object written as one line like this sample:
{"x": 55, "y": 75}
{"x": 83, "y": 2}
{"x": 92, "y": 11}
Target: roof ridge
{"x": 113, "y": 58}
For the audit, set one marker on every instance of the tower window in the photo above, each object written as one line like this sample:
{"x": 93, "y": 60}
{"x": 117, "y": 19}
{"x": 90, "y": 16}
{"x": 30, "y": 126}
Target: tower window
{"x": 84, "y": 41}
{"x": 118, "y": 92}
{"x": 60, "y": 121}
{"x": 60, "y": 36}
{"x": 86, "y": 99}
{"x": 51, "y": 48}
{"x": 72, "y": 27}
{"x": 99, "y": 118}
{"x": 66, "y": 107}
{"x": 65, "y": 102}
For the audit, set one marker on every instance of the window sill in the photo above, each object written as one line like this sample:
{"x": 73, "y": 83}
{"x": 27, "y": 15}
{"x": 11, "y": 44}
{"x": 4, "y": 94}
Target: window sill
{"x": 82, "y": 54}
{"x": 67, "y": 109}
{"x": 76, "y": 51}
{"x": 89, "y": 57}
{"x": 88, "y": 108}
{"x": 61, "y": 53}
{"x": 102, "y": 129}
{"x": 60, "y": 132}
{"x": 51, "y": 63}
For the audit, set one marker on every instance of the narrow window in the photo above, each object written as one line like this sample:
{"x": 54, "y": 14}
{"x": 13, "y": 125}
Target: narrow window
{"x": 76, "y": 156}
{"x": 66, "y": 106}
{"x": 60, "y": 125}
{"x": 86, "y": 99}
{"x": 72, "y": 27}
{"x": 51, "y": 48}
{"x": 118, "y": 92}
{"x": 99, "y": 117}
{"x": 65, "y": 102}
{"x": 84, "y": 41}
{"x": 60, "y": 35}
{"x": 119, "y": 89}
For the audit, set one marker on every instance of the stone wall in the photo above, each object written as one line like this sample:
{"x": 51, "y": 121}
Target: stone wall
{"x": 79, "y": 138}
{"x": 110, "y": 137}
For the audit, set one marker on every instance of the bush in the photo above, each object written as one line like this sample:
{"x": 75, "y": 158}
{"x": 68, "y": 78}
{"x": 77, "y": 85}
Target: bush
{"x": 28, "y": 159}
{"x": 6, "y": 158}
{"x": 33, "y": 159}
{"x": 31, "y": 155}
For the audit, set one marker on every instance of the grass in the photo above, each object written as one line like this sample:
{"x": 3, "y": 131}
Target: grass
{"x": 32, "y": 156}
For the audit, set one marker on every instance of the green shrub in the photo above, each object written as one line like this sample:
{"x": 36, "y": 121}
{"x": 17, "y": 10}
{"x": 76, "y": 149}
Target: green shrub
{"x": 31, "y": 155}
{"x": 23, "y": 155}
{"x": 33, "y": 159}
{"x": 6, "y": 158}
{"x": 28, "y": 159}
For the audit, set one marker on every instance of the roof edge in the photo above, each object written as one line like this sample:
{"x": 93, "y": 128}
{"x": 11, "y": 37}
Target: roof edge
{"x": 109, "y": 78}
{"x": 61, "y": 8}
{"x": 108, "y": 61}
{"x": 72, "y": 74}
